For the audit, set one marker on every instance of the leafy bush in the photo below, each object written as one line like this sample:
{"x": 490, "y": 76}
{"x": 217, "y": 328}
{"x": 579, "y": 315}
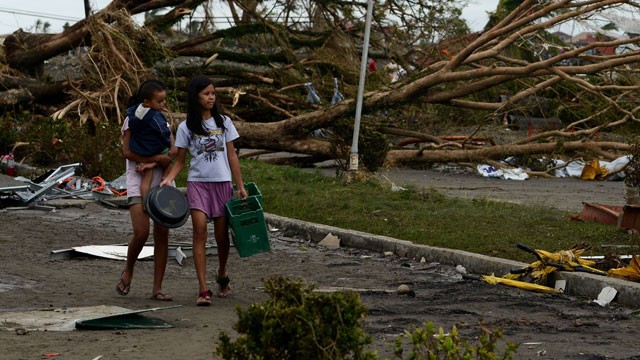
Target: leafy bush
{"x": 426, "y": 344}
{"x": 297, "y": 323}
{"x": 48, "y": 143}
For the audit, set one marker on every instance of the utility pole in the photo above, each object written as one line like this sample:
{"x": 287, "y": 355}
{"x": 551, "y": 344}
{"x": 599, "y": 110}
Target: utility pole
{"x": 353, "y": 160}
{"x": 87, "y": 8}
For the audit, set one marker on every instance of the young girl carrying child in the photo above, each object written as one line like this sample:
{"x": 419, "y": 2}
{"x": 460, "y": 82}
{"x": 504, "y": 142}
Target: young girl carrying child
{"x": 150, "y": 100}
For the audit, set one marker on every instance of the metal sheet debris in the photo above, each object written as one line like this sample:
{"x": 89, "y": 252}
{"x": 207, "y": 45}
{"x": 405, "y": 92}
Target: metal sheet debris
{"x": 58, "y": 183}
{"x": 127, "y": 320}
{"x": 114, "y": 252}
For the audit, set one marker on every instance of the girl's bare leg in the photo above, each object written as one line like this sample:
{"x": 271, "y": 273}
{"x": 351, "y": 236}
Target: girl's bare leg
{"x": 199, "y": 221}
{"x": 160, "y": 255}
{"x": 221, "y": 230}
{"x": 140, "y": 225}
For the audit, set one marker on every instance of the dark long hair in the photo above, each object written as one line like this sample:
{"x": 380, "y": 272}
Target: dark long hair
{"x": 194, "y": 109}
{"x": 146, "y": 91}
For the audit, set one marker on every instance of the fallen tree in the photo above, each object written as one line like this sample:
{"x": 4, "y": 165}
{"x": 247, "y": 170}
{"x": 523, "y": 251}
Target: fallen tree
{"x": 261, "y": 66}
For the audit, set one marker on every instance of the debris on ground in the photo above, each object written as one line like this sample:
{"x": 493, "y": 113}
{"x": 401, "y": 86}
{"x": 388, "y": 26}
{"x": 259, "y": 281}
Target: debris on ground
{"x": 59, "y": 183}
{"x": 605, "y": 214}
{"x": 606, "y": 296}
{"x": 494, "y": 280}
{"x": 535, "y": 276}
{"x": 630, "y": 272}
{"x": 330, "y": 241}
{"x": 548, "y": 262}
{"x": 510, "y": 169}
{"x": 72, "y": 318}
{"x": 626, "y": 217}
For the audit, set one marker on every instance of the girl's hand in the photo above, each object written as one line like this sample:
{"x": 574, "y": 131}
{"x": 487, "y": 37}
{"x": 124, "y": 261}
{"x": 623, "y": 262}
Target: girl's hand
{"x": 242, "y": 193}
{"x": 141, "y": 167}
{"x": 166, "y": 181}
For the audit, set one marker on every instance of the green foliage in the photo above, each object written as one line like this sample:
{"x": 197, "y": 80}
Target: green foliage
{"x": 297, "y": 323}
{"x": 372, "y": 144}
{"x": 10, "y": 129}
{"x": 50, "y": 143}
{"x": 425, "y": 343}
{"x": 502, "y": 10}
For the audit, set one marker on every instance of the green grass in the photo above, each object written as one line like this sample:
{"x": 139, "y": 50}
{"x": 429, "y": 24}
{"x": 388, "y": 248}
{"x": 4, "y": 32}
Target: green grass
{"x": 422, "y": 216}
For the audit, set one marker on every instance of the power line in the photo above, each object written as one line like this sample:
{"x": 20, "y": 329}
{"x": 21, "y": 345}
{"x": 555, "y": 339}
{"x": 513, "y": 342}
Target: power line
{"x": 216, "y": 19}
{"x": 38, "y": 15}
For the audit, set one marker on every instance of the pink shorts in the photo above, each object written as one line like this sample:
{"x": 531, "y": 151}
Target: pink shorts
{"x": 209, "y": 197}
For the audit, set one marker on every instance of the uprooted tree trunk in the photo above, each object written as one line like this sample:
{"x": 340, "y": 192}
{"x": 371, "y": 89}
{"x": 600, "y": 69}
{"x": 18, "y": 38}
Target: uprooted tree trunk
{"x": 260, "y": 72}
{"x": 28, "y": 51}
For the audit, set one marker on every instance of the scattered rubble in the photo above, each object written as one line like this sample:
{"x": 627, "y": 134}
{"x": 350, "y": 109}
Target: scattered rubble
{"x": 59, "y": 183}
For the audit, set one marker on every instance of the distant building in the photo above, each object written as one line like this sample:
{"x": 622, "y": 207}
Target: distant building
{"x": 586, "y": 38}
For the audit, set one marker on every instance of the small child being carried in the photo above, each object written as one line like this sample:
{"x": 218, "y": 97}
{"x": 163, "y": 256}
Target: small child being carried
{"x": 150, "y": 132}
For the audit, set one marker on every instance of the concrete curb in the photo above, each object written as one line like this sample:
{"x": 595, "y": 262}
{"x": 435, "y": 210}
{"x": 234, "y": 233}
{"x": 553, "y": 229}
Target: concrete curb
{"x": 578, "y": 284}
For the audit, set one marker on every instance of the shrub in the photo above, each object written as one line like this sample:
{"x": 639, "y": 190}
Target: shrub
{"x": 426, "y": 344}
{"x": 297, "y": 323}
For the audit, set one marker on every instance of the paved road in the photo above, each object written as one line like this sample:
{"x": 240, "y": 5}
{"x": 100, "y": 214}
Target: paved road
{"x": 561, "y": 193}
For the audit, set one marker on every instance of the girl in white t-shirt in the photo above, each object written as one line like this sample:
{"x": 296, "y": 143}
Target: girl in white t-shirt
{"x": 208, "y": 136}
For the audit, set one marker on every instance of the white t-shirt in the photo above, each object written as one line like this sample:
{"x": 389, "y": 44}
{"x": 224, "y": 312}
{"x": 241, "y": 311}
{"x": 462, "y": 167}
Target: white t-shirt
{"x": 209, "y": 161}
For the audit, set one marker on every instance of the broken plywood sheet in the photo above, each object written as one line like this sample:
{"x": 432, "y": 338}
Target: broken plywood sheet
{"x": 55, "y": 319}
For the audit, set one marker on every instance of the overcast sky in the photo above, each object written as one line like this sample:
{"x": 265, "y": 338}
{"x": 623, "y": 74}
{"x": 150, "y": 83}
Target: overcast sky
{"x": 23, "y": 14}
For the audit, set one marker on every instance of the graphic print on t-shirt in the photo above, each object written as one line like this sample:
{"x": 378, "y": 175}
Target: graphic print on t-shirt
{"x": 210, "y": 145}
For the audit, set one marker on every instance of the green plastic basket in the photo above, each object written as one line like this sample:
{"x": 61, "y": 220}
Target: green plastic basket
{"x": 248, "y": 227}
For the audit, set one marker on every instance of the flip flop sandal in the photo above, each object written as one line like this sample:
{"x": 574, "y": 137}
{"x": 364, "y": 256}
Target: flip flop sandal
{"x": 123, "y": 287}
{"x": 204, "y": 297}
{"x": 223, "y": 286}
{"x": 161, "y": 297}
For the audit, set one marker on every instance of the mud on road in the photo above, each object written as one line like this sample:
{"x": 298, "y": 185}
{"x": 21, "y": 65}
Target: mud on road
{"x": 546, "y": 326}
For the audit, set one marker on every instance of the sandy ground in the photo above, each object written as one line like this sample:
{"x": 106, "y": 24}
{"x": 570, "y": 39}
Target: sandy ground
{"x": 552, "y": 327}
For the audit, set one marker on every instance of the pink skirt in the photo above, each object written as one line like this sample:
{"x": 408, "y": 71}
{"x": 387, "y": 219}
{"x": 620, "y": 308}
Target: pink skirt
{"x": 209, "y": 197}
